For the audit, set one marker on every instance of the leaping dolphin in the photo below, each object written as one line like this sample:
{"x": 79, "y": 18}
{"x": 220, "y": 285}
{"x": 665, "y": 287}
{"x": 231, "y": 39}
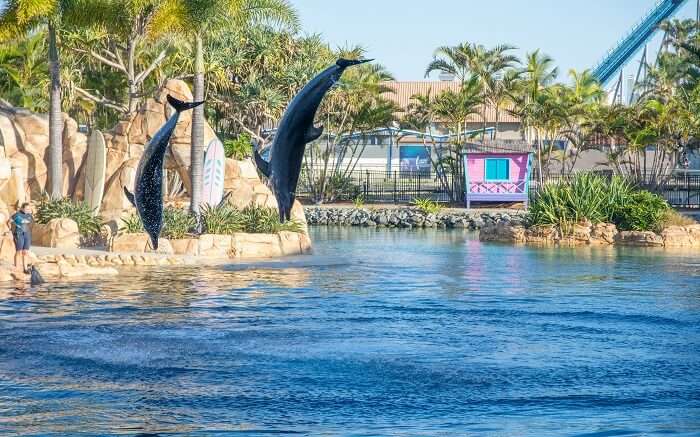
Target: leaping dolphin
{"x": 148, "y": 190}
{"x": 296, "y": 130}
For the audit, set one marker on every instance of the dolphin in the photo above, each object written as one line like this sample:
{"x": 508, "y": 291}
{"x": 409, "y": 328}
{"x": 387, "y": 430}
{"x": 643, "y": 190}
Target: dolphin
{"x": 148, "y": 190}
{"x": 293, "y": 133}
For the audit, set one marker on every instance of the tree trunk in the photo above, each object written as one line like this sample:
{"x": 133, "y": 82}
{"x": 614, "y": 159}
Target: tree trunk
{"x": 131, "y": 76}
{"x": 55, "y": 119}
{"x": 197, "y": 148}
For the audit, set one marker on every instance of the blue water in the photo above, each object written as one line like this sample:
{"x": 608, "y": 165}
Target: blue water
{"x": 380, "y": 333}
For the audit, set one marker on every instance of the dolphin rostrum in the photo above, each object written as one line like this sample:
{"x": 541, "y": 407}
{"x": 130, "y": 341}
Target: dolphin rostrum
{"x": 293, "y": 133}
{"x": 148, "y": 190}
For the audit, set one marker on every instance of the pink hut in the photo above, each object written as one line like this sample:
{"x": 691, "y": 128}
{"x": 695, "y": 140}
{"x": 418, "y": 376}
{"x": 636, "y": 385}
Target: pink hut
{"x": 497, "y": 177}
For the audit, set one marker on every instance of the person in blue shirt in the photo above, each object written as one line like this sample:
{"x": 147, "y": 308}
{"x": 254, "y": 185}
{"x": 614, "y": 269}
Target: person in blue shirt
{"x": 20, "y": 224}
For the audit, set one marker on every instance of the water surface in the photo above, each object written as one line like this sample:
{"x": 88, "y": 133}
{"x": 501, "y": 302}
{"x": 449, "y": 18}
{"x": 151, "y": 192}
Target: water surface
{"x": 382, "y": 332}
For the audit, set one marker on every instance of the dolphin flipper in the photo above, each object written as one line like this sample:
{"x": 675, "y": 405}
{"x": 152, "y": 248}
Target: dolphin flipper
{"x": 313, "y": 133}
{"x": 262, "y": 165}
{"x": 180, "y": 106}
{"x": 129, "y": 195}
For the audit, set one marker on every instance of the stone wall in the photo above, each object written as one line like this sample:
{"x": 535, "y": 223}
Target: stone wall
{"x": 237, "y": 246}
{"x": 405, "y": 217}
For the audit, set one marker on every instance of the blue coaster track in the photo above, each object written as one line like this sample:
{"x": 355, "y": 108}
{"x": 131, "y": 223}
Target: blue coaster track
{"x": 638, "y": 36}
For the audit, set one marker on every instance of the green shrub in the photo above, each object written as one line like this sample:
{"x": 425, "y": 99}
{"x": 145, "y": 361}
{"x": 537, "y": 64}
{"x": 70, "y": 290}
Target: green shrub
{"x": 587, "y": 196}
{"x": 132, "y": 225}
{"x": 221, "y": 219}
{"x": 177, "y": 223}
{"x": 88, "y": 222}
{"x": 240, "y": 148}
{"x": 426, "y": 206}
{"x": 644, "y": 211}
{"x": 262, "y": 220}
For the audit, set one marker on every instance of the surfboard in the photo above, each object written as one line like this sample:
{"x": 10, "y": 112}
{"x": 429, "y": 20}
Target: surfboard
{"x": 95, "y": 168}
{"x": 213, "y": 173}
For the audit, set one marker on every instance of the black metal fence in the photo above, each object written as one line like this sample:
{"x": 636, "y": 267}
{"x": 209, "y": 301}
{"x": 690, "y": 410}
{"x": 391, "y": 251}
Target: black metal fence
{"x": 401, "y": 187}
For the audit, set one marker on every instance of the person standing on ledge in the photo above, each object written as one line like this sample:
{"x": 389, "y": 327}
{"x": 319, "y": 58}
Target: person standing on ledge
{"x": 20, "y": 223}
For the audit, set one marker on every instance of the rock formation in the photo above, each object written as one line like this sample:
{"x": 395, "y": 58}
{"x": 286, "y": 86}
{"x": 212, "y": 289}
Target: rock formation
{"x": 24, "y": 157}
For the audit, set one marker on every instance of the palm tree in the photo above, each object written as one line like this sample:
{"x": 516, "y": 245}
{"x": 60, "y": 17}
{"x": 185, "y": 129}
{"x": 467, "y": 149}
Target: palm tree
{"x": 500, "y": 92}
{"x": 468, "y": 60}
{"x": 538, "y": 73}
{"x": 197, "y": 20}
{"x": 18, "y": 18}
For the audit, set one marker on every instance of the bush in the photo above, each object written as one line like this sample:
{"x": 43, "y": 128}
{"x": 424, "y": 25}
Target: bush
{"x": 261, "y": 220}
{"x": 240, "y": 148}
{"x": 595, "y": 198}
{"x": 426, "y": 206}
{"x": 643, "y": 212}
{"x": 88, "y": 222}
{"x": 221, "y": 219}
{"x": 132, "y": 225}
{"x": 177, "y": 223}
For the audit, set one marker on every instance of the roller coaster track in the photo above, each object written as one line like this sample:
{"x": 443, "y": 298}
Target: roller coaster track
{"x": 616, "y": 58}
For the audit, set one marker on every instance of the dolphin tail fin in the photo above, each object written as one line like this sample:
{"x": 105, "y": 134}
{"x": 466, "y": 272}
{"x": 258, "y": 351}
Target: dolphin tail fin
{"x": 345, "y": 63}
{"x": 180, "y": 106}
{"x": 313, "y": 133}
{"x": 129, "y": 195}
{"x": 286, "y": 209}
{"x": 154, "y": 241}
{"x": 262, "y": 165}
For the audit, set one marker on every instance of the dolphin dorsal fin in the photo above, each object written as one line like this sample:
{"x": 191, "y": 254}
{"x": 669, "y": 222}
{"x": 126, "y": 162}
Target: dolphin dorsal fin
{"x": 129, "y": 196}
{"x": 262, "y": 165}
{"x": 313, "y": 133}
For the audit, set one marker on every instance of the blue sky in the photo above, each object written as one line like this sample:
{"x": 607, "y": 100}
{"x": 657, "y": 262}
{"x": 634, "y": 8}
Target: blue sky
{"x": 402, "y": 34}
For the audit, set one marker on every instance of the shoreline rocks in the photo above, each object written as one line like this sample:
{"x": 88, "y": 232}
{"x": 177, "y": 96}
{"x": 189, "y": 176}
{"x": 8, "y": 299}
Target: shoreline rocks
{"x": 406, "y": 218}
{"x": 586, "y": 233}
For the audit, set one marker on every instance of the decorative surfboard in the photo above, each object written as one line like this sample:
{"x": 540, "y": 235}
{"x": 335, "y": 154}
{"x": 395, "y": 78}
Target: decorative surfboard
{"x": 213, "y": 173}
{"x": 95, "y": 168}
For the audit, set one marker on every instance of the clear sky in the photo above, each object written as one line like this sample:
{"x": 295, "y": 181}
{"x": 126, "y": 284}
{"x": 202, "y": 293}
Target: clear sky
{"x": 402, "y": 34}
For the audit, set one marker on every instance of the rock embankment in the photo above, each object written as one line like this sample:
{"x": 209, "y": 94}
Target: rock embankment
{"x": 587, "y": 233}
{"x": 405, "y": 218}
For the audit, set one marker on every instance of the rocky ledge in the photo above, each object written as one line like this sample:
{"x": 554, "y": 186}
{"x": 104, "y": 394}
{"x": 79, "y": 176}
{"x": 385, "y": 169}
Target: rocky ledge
{"x": 406, "y": 218}
{"x": 586, "y": 233}
{"x": 236, "y": 246}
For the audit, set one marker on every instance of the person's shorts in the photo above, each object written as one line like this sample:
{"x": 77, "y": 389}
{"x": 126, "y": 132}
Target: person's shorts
{"x": 22, "y": 241}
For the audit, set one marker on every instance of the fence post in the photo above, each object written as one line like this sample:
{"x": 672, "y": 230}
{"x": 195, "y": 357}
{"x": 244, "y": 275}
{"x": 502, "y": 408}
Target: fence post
{"x": 394, "y": 186}
{"x": 366, "y": 184}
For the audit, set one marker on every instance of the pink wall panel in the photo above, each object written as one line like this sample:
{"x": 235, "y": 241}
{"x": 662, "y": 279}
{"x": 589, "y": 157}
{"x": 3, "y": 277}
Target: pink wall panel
{"x": 518, "y": 165}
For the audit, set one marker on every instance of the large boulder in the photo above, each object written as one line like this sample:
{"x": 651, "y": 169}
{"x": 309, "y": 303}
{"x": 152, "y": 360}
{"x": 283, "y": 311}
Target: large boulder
{"x": 185, "y": 246}
{"x": 255, "y": 246}
{"x": 503, "y": 231}
{"x": 603, "y": 233}
{"x": 545, "y": 235}
{"x": 214, "y": 246}
{"x": 114, "y": 202}
{"x": 639, "y": 239}
{"x": 58, "y": 232}
{"x": 679, "y": 236}
{"x": 136, "y": 243}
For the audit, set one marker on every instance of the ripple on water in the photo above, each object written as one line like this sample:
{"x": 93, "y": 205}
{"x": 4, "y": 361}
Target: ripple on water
{"x": 379, "y": 333}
